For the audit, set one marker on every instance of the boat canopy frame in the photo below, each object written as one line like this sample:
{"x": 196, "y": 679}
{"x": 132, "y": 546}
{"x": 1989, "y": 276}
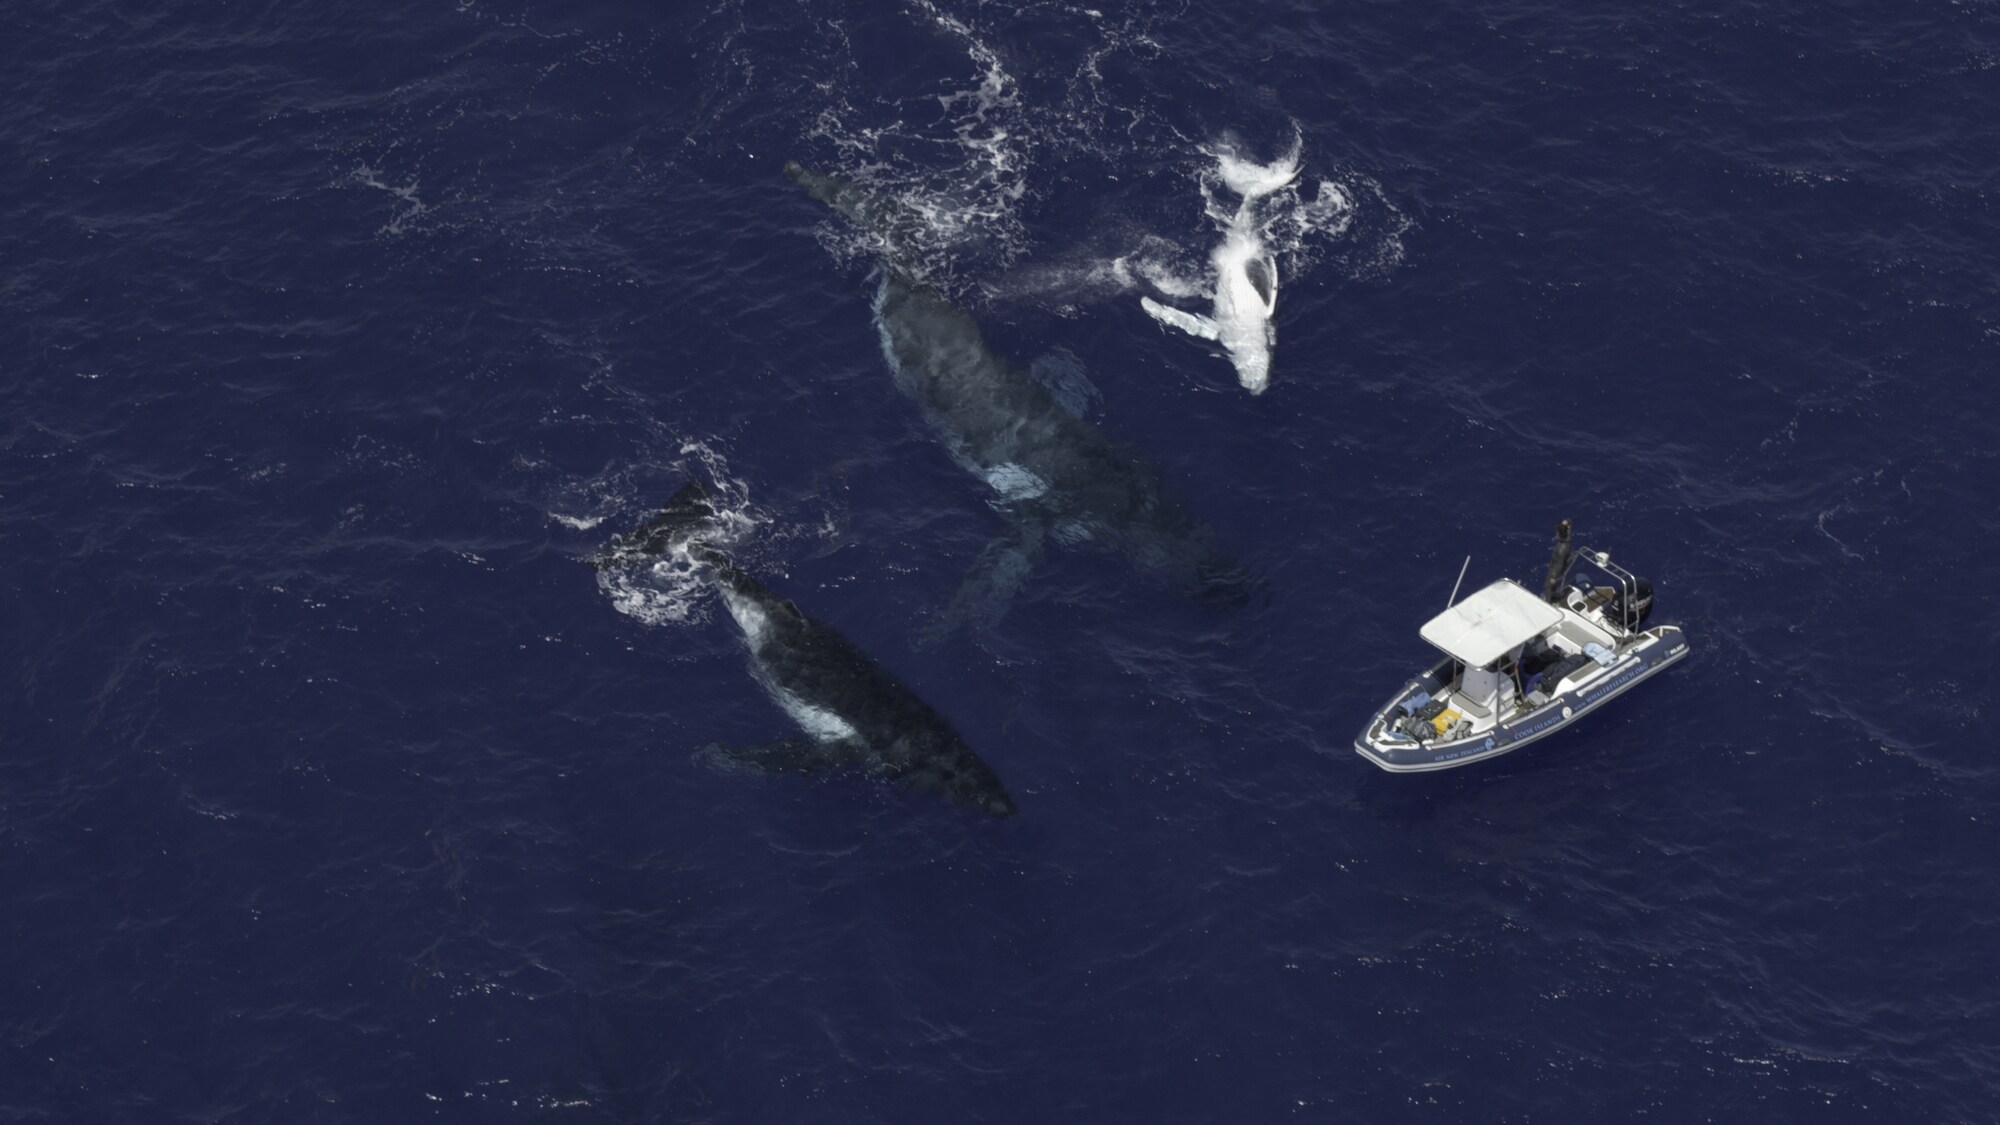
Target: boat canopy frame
{"x": 1491, "y": 622}
{"x": 1626, "y": 622}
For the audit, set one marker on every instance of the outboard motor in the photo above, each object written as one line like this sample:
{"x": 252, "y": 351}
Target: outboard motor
{"x": 1634, "y": 615}
{"x": 1558, "y": 564}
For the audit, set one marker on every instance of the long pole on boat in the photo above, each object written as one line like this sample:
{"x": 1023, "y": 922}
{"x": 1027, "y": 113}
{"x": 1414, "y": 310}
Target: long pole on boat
{"x": 1460, "y": 582}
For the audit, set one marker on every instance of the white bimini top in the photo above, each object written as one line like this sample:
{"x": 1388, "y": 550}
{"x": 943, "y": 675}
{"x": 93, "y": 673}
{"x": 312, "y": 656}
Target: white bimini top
{"x": 1489, "y": 623}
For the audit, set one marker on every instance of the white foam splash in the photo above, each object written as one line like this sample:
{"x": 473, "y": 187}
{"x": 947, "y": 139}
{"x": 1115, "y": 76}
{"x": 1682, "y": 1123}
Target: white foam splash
{"x": 964, "y": 156}
{"x": 647, "y": 603}
{"x": 978, "y": 113}
{"x": 967, "y": 207}
{"x": 413, "y": 207}
{"x": 672, "y": 588}
{"x": 1163, "y": 276}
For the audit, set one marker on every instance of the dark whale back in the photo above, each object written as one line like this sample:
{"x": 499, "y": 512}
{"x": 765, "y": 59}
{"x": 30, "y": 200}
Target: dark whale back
{"x": 895, "y": 733}
{"x": 905, "y": 739}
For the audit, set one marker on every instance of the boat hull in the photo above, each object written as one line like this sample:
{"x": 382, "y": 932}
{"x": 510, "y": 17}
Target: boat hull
{"x": 1645, "y": 657}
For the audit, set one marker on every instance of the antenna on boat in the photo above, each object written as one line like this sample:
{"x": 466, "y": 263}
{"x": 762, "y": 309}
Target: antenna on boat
{"x": 1460, "y": 582}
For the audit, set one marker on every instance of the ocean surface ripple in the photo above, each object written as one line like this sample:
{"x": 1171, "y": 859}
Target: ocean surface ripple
{"x": 335, "y": 786}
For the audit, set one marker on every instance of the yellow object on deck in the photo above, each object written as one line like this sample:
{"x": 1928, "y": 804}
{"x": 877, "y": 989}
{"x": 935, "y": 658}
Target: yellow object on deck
{"x": 1444, "y": 720}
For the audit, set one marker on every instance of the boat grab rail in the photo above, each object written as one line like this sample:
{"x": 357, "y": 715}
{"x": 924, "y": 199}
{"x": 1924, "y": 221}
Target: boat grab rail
{"x": 1627, "y": 621}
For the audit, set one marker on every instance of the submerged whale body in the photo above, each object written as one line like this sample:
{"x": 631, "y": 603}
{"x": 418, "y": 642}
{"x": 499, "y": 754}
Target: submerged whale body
{"x": 1056, "y": 474}
{"x": 853, "y": 713}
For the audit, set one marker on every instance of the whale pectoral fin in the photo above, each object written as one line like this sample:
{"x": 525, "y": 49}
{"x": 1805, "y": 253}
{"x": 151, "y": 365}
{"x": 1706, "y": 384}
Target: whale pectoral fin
{"x": 1000, "y": 572}
{"x": 786, "y": 755}
{"x": 1185, "y": 321}
{"x": 1064, "y": 376}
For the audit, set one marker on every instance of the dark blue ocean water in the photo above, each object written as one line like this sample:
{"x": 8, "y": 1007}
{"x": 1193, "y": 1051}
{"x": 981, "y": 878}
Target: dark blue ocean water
{"x": 335, "y": 786}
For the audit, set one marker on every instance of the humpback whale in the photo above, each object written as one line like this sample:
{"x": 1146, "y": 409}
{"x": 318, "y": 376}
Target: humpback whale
{"x": 1055, "y": 474}
{"x": 853, "y": 713}
{"x": 1246, "y": 277}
